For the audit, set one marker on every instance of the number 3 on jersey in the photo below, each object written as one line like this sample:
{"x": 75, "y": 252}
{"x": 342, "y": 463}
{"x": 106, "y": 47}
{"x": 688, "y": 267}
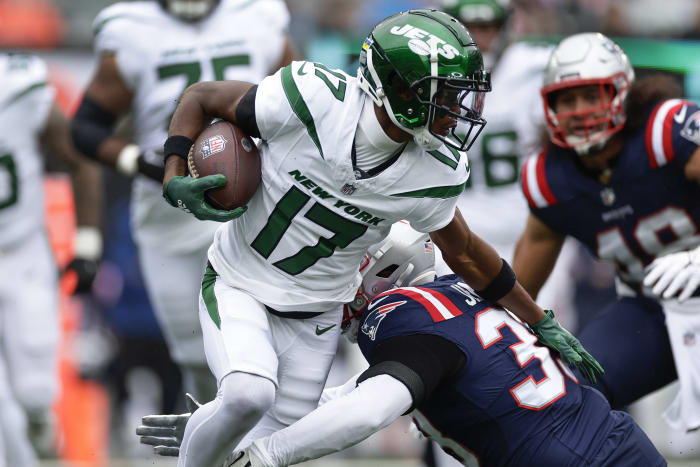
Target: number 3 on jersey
{"x": 529, "y": 394}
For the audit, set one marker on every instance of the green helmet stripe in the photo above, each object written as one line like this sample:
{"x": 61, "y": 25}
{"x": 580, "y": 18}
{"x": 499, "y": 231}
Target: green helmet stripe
{"x": 296, "y": 101}
{"x": 434, "y": 192}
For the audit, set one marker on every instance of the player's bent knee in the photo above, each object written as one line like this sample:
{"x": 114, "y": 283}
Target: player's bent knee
{"x": 246, "y": 397}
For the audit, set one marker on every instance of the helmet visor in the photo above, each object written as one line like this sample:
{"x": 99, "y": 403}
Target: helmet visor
{"x": 458, "y": 103}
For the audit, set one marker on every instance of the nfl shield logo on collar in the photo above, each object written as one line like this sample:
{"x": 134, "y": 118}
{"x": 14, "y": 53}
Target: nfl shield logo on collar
{"x": 607, "y": 195}
{"x": 348, "y": 189}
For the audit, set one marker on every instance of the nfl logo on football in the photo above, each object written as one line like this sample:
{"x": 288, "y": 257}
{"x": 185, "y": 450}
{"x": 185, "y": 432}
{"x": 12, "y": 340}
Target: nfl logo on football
{"x": 348, "y": 189}
{"x": 213, "y": 145}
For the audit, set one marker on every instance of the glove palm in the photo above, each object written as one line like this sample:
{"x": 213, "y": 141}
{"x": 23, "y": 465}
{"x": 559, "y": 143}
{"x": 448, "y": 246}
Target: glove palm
{"x": 551, "y": 334}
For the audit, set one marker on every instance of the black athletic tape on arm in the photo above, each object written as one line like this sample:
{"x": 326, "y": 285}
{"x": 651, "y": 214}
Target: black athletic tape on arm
{"x": 433, "y": 358}
{"x": 245, "y": 113}
{"x": 177, "y": 146}
{"x": 501, "y": 285}
{"x": 401, "y": 372}
{"x": 91, "y": 125}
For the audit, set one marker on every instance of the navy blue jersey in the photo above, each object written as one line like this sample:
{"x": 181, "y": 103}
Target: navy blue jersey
{"x": 511, "y": 400}
{"x": 647, "y": 209}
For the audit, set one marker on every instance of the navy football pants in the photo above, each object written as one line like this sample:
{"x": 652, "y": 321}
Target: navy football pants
{"x": 630, "y": 341}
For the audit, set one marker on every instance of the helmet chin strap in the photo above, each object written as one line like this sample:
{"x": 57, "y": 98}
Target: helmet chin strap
{"x": 421, "y": 136}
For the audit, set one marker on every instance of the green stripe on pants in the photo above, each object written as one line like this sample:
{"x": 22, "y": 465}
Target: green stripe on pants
{"x": 208, "y": 282}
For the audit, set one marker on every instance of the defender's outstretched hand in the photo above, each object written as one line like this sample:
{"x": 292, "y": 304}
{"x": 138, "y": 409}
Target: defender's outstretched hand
{"x": 165, "y": 432}
{"x": 187, "y": 193}
{"x": 551, "y": 334}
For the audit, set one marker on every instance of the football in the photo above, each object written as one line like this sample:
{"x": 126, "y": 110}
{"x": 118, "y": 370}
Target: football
{"x": 222, "y": 148}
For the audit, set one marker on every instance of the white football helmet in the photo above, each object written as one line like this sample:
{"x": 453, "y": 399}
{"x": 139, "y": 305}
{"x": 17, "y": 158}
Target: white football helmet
{"x": 581, "y": 60}
{"x": 189, "y": 10}
{"x": 405, "y": 258}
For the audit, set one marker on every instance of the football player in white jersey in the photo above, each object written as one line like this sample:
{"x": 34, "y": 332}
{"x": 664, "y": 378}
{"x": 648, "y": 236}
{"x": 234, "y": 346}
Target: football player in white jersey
{"x": 197, "y": 40}
{"x": 514, "y": 131}
{"x": 29, "y": 327}
{"x": 343, "y": 158}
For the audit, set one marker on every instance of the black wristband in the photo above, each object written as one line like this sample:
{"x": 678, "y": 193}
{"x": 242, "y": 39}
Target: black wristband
{"x": 177, "y": 146}
{"x": 501, "y": 285}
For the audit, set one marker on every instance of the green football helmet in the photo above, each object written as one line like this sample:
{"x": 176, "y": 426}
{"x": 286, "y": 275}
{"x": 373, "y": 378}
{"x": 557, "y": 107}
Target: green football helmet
{"x": 423, "y": 66}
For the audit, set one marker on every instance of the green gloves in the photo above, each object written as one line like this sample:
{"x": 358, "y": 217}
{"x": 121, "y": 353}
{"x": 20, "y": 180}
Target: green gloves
{"x": 551, "y": 334}
{"x": 187, "y": 193}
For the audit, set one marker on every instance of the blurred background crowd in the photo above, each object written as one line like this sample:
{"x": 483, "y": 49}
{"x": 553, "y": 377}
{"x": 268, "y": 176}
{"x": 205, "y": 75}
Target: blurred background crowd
{"x": 114, "y": 364}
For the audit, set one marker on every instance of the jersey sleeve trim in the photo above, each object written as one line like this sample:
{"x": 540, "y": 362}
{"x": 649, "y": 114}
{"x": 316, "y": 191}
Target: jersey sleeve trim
{"x": 534, "y": 182}
{"x": 658, "y": 137}
{"x": 25, "y": 91}
{"x": 436, "y": 304}
{"x": 434, "y": 192}
{"x": 296, "y": 101}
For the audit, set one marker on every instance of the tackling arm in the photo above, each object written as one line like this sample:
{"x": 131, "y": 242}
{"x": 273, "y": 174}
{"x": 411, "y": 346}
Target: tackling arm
{"x": 336, "y": 425}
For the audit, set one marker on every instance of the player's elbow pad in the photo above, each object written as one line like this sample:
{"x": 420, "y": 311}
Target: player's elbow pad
{"x": 91, "y": 125}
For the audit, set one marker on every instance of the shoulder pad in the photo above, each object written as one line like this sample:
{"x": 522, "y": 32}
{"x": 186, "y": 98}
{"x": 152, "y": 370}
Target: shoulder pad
{"x": 131, "y": 12}
{"x": 534, "y": 182}
{"x": 275, "y": 12}
{"x": 666, "y": 117}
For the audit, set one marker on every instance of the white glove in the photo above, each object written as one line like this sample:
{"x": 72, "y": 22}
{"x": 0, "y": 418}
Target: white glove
{"x": 165, "y": 432}
{"x": 674, "y": 273}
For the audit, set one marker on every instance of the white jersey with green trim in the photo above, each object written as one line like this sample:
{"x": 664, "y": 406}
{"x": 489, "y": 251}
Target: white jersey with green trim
{"x": 241, "y": 40}
{"x": 308, "y": 226}
{"x": 25, "y": 103}
{"x": 514, "y": 127}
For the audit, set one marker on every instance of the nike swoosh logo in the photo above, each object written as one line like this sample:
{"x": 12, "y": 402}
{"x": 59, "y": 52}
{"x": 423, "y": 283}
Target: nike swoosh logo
{"x": 301, "y": 71}
{"x": 320, "y": 331}
{"x": 680, "y": 116}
